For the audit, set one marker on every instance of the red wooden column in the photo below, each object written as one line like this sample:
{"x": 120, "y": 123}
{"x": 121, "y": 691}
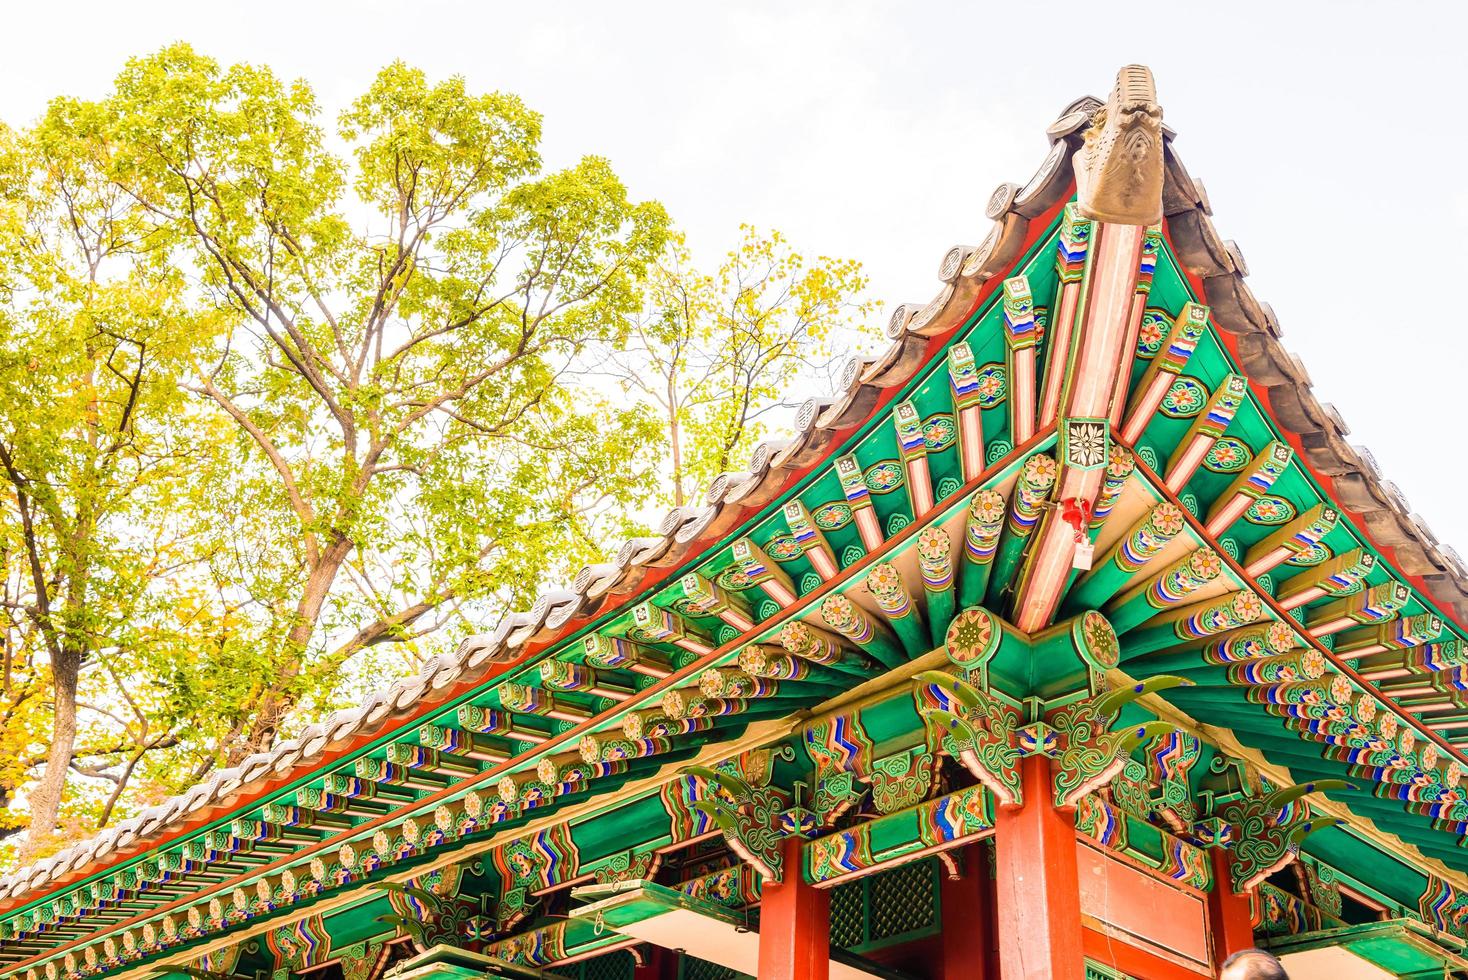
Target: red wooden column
{"x": 1037, "y": 885}
{"x": 1229, "y": 919}
{"x": 794, "y": 925}
{"x": 969, "y": 944}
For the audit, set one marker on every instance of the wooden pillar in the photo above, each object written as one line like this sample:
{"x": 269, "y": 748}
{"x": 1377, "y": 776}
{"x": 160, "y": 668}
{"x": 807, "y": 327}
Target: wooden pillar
{"x": 794, "y": 924}
{"x": 970, "y": 950}
{"x": 1037, "y": 884}
{"x": 1229, "y": 919}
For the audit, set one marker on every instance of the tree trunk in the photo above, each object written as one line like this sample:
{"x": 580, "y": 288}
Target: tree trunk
{"x": 46, "y": 798}
{"x": 278, "y": 700}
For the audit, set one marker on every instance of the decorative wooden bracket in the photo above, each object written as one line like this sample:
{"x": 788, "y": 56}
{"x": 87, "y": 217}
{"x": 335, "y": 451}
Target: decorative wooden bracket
{"x": 1038, "y": 738}
{"x": 364, "y": 960}
{"x": 1263, "y": 832}
{"x": 1172, "y": 802}
{"x": 835, "y": 793}
{"x": 842, "y": 753}
{"x": 1443, "y": 908}
{"x": 1088, "y": 753}
{"x": 903, "y": 779}
{"x": 747, "y": 816}
{"x": 1130, "y": 790}
{"x": 1169, "y": 759}
{"x": 430, "y": 919}
{"x": 629, "y": 865}
{"x": 975, "y": 729}
{"x": 797, "y": 820}
{"x": 515, "y": 906}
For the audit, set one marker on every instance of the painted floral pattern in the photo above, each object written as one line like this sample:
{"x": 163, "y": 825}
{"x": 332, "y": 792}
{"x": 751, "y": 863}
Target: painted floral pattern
{"x": 1039, "y": 470}
{"x": 1119, "y": 462}
{"x": 1184, "y": 399}
{"x": 970, "y": 635}
{"x": 1101, "y": 639}
{"x": 992, "y": 385}
{"x": 1085, "y": 443}
{"x": 734, "y": 579}
{"x": 783, "y": 547}
{"x": 1228, "y": 455}
{"x": 988, "y": 508}
{"x": 1270, "y": 509}
{"x": 884, "y": 477}
{"x": 939, "y": 433}
{"x": 1155, "y": 325}
{"x": 829, "y": 517}
{"x": 1167, "y": 520}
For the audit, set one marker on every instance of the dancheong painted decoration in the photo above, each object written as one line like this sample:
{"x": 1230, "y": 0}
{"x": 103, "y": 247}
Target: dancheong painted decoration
{"x": 1069, "y": 638}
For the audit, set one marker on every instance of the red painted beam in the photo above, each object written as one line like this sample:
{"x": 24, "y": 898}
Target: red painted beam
{"x": 1133, "y": 961}
{"x": 1230, "y": 920}
{"x": 1037, "y": 884}
{"x": 970, "y": 942}
{"x": 794, "y": 924}
{"x": 1095, "y": 360}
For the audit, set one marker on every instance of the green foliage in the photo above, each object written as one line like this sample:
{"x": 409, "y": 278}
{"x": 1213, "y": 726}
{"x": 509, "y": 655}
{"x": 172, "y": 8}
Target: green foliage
{"x": 286, "y": 408}
{"x": 95, "y": 446}
{"x": 716, "y": 352}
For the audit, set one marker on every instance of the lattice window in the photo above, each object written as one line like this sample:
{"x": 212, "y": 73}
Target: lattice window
{"x": 903, "y": 901}
{"x": 848, "y": 915}
{"x": 886, "y": 908}
{"x": 613, "y": 966}
{"x": 693, "y": 968}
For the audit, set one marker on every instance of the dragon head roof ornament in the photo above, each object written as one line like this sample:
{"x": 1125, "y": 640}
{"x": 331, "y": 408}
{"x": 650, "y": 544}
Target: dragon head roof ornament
{"x": 1119, "y": 170}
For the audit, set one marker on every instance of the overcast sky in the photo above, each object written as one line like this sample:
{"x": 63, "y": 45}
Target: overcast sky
{"x": 1327, "y": 134}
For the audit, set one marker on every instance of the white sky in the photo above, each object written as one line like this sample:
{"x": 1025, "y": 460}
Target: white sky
{"x": 1326, "y": 134}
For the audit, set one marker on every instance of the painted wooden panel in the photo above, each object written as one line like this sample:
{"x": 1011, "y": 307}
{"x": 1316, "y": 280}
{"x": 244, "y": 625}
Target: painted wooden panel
{"x": 1129, "y": 903}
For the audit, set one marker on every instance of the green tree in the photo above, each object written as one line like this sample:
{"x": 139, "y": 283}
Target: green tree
{"x": 273, "y": 398}
{"x": 409, "y": 314}
{"x": 717, "y": 353}
{"x": 279, "y": 403}
{"x": 95, "y": 336}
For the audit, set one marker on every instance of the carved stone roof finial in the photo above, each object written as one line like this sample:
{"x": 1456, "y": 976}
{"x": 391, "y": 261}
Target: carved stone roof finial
{"x": 1119, "y": 169}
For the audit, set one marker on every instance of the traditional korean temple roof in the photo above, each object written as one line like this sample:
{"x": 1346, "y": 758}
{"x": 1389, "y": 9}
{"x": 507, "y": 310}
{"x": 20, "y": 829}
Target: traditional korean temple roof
{"x": 1231, "y": 518}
